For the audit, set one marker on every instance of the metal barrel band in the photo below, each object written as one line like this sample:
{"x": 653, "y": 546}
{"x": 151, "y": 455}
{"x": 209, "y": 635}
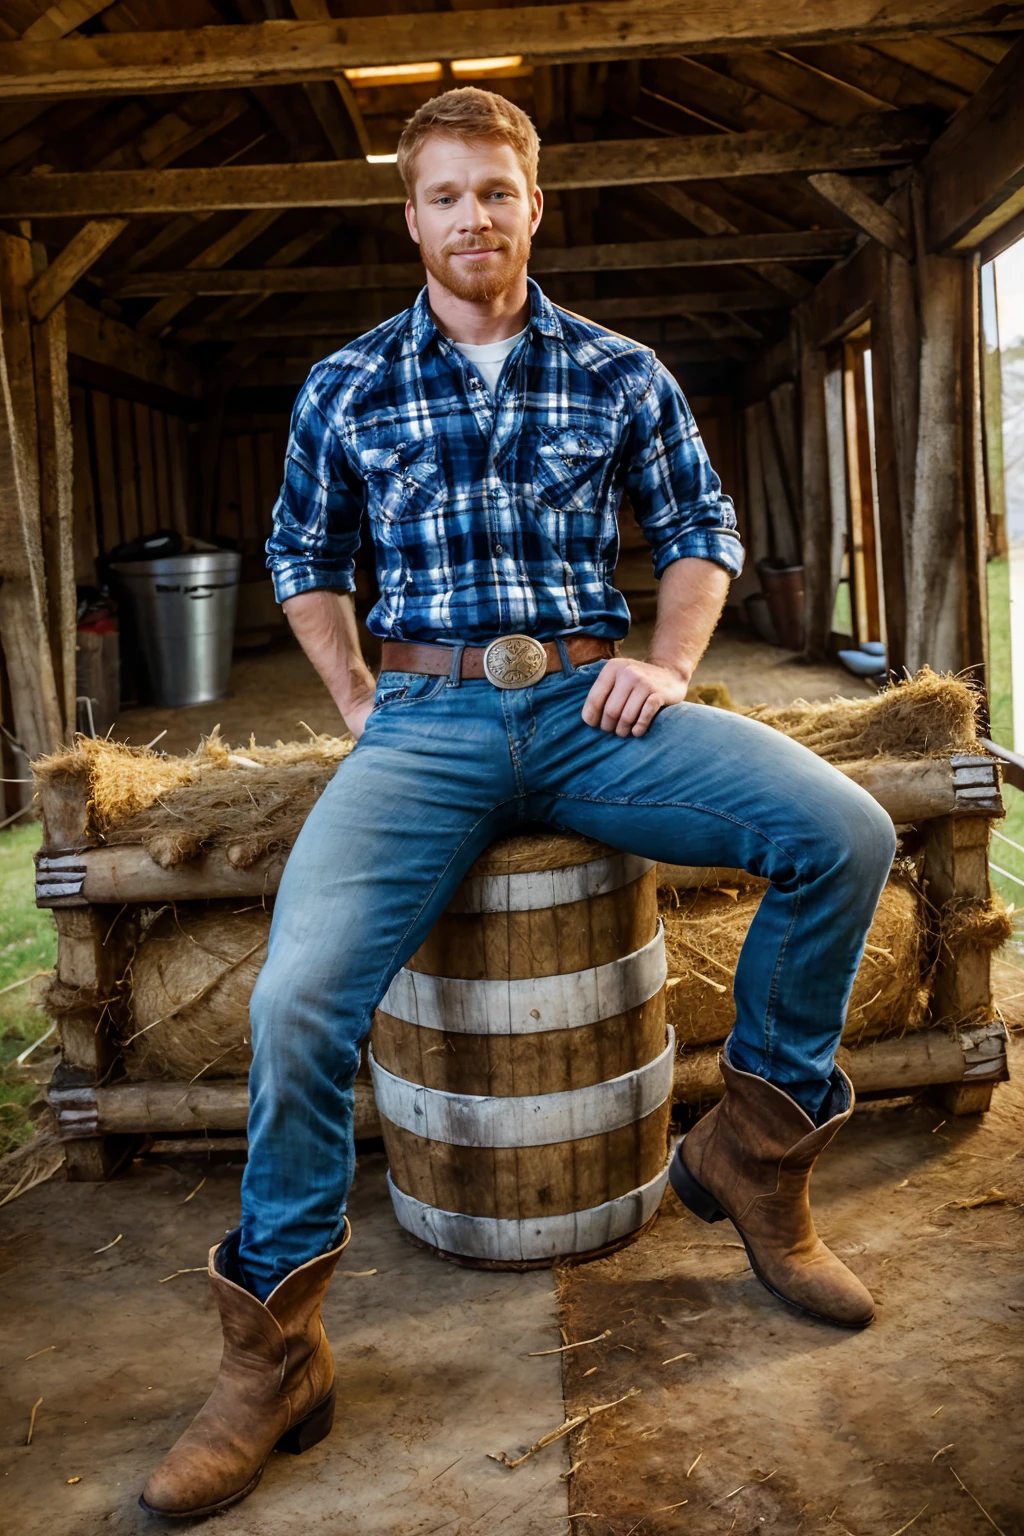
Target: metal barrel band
{"x": 569, "y": 1000}
{"x": 522, "y": 1239}
{"x": 533, "y": 1120}
{"x": 540, "y": 889}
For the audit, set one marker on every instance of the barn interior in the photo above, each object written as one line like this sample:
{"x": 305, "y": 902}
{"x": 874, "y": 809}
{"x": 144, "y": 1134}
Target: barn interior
{"x": 793, "y": 206}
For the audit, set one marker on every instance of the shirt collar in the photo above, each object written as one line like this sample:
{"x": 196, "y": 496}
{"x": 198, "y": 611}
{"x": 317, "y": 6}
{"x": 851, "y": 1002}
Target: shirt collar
{"x": 421, "y": 329}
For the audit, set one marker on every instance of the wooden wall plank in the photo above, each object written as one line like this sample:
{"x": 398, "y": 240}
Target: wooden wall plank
{"x": 109, "y": 502}
{"x": 125, "y": 463}
{"x": 142, "y": 418}
{"x": 177, "y": 444}
{"x": 161, "y": 470}
{"x": 83, "y": 495}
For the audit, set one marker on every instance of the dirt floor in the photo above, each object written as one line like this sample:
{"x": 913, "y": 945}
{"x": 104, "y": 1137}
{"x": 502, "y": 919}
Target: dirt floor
{"x": 434, "y": 1365}
{"x": 745, "y": 1417}
{"x": 275, "y": 692}
{"x": 751, "y": 1418}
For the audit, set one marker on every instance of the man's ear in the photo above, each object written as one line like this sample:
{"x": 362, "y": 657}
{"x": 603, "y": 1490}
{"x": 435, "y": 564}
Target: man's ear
{"x": 538, "y": 210}
{"x": 410, "y": 219}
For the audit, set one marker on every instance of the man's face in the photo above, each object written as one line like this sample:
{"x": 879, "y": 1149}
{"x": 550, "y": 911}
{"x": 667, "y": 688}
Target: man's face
{"x": 472, "y": 215}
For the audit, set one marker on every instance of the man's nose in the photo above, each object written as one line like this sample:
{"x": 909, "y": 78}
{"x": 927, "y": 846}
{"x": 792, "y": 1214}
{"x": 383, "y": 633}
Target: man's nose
{"x": 474, "y": 215}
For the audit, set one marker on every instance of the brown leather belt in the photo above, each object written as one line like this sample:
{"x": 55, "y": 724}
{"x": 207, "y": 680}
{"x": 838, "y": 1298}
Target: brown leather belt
{"x": 512, "y": 661}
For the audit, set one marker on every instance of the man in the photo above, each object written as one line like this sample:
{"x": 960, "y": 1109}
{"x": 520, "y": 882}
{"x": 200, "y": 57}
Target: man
{"x": 486, "y": 437}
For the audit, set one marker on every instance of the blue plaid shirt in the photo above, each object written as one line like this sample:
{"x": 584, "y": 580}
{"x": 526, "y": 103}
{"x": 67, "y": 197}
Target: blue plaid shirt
{"x": 492, "y": 516}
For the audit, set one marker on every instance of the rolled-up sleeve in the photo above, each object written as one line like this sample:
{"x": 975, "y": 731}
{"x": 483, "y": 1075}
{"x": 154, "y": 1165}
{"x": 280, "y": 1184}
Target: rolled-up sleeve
{"x": 316, "y": 516}
{"x": 677, "y": 497}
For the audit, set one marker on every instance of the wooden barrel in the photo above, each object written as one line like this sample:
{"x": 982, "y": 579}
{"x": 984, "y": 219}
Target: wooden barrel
{"x": 521, "y": 1063}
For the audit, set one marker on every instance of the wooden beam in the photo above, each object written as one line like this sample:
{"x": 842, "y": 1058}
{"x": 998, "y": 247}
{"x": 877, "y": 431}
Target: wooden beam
{"x": 318, "y": 10}
{"x": 63, "y": 18}
{"x": 974, "y": 173}
{"x": 710, "y": 222}
{"x": 225, "y": 248}
{"x": 871, "y": 217}
{"x": 172, "y": 135}
{"x": 101, "y": 340}
{"x": 884, "y": 139}
{"x": 289, "y": 52}
{"x": 845, "y": 295}
{"x": 409, "y": 274}
{"x": 712, "y": 251}
{"x": 58, "y": 279}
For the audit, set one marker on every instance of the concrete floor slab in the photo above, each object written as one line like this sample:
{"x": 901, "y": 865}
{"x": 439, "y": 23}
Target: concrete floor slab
{"x": 432, "y": 1364}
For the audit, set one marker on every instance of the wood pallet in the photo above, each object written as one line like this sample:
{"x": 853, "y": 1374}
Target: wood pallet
{"x": 944, "y": 806}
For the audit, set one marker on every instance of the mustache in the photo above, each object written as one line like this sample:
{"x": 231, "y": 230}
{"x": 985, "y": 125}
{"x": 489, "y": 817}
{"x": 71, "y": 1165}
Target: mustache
{"x": 457, "y": 247}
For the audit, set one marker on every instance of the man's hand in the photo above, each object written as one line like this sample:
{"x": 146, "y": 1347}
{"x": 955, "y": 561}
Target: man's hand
{"x": 324, "y": 623}
{"x": 355, "y": 711}
{"x": 628, "y": 694}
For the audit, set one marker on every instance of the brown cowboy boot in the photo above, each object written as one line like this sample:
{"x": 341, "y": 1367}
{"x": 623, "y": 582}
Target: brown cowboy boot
{"x": 275, "y": 1390}
{"x": 750, "y": 1159}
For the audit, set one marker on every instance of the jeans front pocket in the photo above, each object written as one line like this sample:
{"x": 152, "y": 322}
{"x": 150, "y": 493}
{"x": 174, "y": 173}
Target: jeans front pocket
{"x": 406, "y": 688}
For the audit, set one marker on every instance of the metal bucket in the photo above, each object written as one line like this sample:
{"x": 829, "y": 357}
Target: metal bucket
{"x": 182, "y": 609}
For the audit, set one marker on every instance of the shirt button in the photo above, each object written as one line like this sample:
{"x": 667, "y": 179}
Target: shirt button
{"x": 499, "y": 549}
{"x": 475, "y": 384}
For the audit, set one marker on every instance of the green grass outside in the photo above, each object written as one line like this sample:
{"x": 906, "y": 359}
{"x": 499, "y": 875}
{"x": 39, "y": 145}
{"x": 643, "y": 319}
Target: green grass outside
{"x": 1001, "y": 719}
{"x": 28, "y": 943}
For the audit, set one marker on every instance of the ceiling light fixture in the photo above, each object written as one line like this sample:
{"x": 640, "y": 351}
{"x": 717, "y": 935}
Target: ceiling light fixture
{"x": 382, "y": 159}
{"x": 393, "y": 74}
{"x": 496, "y": 66}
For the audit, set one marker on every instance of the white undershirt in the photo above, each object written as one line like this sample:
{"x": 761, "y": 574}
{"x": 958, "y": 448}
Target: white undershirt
{"x": 489, "y": 359}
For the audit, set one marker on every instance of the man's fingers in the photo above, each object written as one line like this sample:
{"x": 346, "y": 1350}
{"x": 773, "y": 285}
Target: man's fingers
{"x": 633, "y": 709}
{"x": 617, "y": 700}
{"x": 594, "y": 704}
{"x": 651, "y": 707}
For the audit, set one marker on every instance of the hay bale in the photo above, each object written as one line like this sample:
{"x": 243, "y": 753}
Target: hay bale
{"x": 928, "y": 715}
{"x": 704, "y": 932}
{"x": 250, "y": 800}
{"x": 190, "y": 983}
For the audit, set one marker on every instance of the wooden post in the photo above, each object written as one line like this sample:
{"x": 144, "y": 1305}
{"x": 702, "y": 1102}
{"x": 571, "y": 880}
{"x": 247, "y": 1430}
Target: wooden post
{"x": 956, "y": 870}
{"x": 56, "y": 491}
{"x": 894, "y": 394}
{"x": 816, "y": 523}
{"x": 934, "y": 531}
{"x": 39, "y": 720}
{"x": 975, "y": 618}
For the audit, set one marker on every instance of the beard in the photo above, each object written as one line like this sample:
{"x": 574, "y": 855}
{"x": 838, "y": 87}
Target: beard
{"x": 478, "y": 285}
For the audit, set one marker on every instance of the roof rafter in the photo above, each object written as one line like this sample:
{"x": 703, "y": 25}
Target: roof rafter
{"x": 888, "y": 138}
{"x": 289, "y": 52}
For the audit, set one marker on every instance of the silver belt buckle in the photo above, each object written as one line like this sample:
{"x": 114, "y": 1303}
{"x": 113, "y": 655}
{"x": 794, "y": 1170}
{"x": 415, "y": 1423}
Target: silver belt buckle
{"x": 515, "y": 661}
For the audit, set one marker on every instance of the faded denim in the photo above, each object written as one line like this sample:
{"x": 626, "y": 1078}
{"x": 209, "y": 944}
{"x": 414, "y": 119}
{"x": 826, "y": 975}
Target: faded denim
{"x": 443, "y": 769}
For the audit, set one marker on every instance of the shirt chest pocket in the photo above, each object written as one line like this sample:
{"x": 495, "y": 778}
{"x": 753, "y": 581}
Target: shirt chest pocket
{"x": 571, "y": 469}
{"x": 403, "y": 479}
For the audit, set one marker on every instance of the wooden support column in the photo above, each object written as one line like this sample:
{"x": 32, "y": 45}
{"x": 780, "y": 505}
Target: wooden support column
{"x": 39, "y": 720}
{"x": 53, "y": 418}
{"x": 975, "y": 493}
{"x": 956, "y": 872}
{"x": 816, "y": 525}
{"x": 934, "y": 531}
{"x": 894, "y": 403}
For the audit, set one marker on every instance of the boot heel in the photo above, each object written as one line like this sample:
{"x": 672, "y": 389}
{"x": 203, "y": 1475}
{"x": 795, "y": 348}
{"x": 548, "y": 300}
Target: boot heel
{"x": 316, "y": 1426}
{"x": 693, "y": 1195}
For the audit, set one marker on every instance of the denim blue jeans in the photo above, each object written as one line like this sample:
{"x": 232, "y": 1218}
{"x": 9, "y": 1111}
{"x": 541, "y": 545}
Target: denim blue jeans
{"x": 442, "y": 769}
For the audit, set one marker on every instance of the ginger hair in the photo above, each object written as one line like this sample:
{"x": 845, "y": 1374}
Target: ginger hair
{"x": 469, "y": 114}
